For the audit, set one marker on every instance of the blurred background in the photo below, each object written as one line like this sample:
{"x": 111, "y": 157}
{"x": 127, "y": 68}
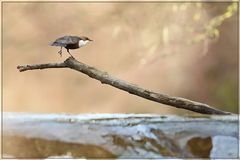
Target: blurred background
{"x": 188, "y": 50}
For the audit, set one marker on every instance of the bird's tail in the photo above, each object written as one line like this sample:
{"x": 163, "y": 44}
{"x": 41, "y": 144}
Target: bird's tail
{"x": 55, "y": 44}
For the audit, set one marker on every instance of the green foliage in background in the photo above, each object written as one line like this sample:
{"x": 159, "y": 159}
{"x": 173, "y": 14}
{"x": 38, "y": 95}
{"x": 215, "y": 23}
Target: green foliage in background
{"x": 211, "y": 29}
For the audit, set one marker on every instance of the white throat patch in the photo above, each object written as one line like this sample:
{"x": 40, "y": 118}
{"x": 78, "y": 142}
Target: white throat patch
{"x": 82, "y": 43}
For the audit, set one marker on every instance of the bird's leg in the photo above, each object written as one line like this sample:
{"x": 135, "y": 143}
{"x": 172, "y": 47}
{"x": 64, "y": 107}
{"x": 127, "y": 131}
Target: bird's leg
{"x": 69, "y": 53}
{"x": 60, "y": 52}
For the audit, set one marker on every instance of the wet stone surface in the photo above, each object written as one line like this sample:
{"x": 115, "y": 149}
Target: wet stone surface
{"x": 28, "y": 135}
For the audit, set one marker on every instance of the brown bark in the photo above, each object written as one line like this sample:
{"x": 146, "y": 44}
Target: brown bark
{"x": 105, "y": 78}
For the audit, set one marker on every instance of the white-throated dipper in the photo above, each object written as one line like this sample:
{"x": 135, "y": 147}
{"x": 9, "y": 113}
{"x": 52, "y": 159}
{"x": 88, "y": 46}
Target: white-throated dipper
{"x": 70, "y": 42}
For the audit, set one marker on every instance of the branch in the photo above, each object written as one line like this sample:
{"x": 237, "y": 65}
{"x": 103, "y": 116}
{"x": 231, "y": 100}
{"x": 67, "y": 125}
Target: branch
{"x": 41, "y": 66}
{"x": 105, "y": 78}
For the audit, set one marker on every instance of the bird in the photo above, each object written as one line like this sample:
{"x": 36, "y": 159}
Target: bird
{"x": 70, "y": 42}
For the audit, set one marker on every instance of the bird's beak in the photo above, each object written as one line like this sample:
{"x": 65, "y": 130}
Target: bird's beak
{"x": 90, "y": 40}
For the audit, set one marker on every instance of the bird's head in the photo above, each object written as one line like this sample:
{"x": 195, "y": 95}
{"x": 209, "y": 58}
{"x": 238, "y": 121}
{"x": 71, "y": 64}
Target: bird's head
{"x": 83, "y": 41}
{"x": 86, "y": 39}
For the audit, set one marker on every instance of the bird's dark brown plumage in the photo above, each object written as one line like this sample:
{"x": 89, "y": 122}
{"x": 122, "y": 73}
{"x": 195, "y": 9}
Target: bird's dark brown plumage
{"x": 70, "y": 42}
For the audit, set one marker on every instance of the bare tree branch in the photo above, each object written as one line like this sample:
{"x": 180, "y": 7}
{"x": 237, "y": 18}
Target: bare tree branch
{"x": 41, "y": 66}
{"x": 105, "y": 78}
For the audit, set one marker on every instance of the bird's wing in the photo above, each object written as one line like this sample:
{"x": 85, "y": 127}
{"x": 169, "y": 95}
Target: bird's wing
{"x": 73, "y": 39}
{"x": 64, "y": 41}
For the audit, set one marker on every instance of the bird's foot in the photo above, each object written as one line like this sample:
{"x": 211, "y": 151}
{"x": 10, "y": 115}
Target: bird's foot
{"x": 60, "y": 52}
{"x": 72, "y": 57}
{"x": 70, "y": 54}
